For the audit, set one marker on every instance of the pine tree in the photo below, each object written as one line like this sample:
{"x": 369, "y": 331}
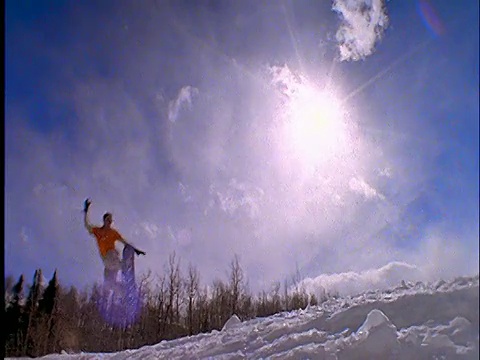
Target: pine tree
{"x": 9, "y": 282}
{"x": 13, "y": 320}
{"x": 47, "y": 310}
{"x": 30, "y": 315}
{"x": 47, "y": 303}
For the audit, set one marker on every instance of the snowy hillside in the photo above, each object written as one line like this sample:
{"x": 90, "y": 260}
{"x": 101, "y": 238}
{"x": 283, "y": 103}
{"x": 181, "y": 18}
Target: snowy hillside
{"x": 412, "y": 321}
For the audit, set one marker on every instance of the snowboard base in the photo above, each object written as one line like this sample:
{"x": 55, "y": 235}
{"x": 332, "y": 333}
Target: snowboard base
{"x": 122, "y": 307}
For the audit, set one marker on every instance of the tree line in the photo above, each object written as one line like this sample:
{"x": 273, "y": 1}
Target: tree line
{"x": 41, "y": 319}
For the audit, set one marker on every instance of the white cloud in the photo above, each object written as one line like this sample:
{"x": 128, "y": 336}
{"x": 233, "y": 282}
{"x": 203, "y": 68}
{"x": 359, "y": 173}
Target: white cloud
{"x": 180, "y": 237}
{"x": 184, "y": 99}
{"x": 359, "y": 186}
{"x": 363, "y": 24}
{"x": 23, "y": 235}
{"x": 184, "y": 191}
{"x": 184, "y": 237}
{"x": 285, "y": 80}
{"x": 386, "y": 172}
{"x": 151, "y": 230}
{"x": 237, "y": 196}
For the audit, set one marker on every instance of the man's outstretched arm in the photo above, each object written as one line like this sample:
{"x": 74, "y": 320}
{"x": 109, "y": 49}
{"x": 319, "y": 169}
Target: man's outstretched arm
{"x": 87, "y": 224}
{"x": 137, "y": 251}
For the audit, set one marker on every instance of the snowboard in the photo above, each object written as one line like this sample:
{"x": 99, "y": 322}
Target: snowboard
{"x": 123, "y": 307}
{"x": 130, "y": 303}
{"x": 128, "y": 269}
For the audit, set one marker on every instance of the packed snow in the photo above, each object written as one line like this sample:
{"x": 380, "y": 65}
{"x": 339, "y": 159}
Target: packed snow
{"x": 412, "y": 321}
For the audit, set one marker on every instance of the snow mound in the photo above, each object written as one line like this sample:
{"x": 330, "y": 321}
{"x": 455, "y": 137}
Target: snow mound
{"x": 375, "y": 338}
{"x": 377, "y": 334}
{"x": 232, "y": 322}
{"x": 411, "y": 322}
{"x": 375, "y": 319}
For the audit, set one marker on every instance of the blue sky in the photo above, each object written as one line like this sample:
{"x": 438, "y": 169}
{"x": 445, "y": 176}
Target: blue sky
{"x": 327, "y": 137}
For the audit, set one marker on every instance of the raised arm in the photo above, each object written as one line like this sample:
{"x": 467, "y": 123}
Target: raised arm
{"x": 87, "y": 224}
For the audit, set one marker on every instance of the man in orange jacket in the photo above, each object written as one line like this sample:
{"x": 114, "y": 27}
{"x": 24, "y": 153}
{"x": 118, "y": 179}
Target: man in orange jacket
{"x": 106, "y": 237}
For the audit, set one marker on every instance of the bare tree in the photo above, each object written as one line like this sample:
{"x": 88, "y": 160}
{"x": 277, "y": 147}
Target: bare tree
{"x": 236, "y": 284}
{"x": 247, "y": 309}
{"x": 69, "y": 320}
{"x": 286, "y": 296}
{"x": 172, "y": 313}
{"x": 192, "y": 287}
{"x": 153, "y": 297}
{"x": 299, "y": 298}
{"x": 202, "y": 312}
{"x": 161, "y": 306}
{"x": 276, "y": 300}
{"x": 220, "y": 308}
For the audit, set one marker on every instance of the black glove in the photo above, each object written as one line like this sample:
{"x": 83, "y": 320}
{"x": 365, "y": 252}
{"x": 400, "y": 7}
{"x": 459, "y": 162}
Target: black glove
{"x": 86, "y": 205}
{"x": 139, "y": 252}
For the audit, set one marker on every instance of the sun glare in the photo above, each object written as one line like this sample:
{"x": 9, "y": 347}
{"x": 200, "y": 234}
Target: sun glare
{"x": 315, "y": 125}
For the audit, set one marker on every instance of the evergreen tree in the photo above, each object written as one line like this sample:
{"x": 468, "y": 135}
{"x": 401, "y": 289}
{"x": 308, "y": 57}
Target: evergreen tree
{"x": 9, "y": 282}
{"x": 35, "y": 292}
{"x": 47, "y": 310}
{"x": 30, "y": 316}
{"x": 13, "y": 317}
{"x": 47, "y": 303}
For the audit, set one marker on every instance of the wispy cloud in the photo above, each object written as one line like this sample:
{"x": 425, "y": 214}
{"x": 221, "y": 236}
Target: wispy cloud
{"x": 183, "y": 237}
{"x": 237, "y": 196}
{"x": 183, "y": 100}
{"x": 152, "y": 231}
{"x": 386, "y": 172}
{"x": 23, "y": 235}
{"x": 361, "y": 187}
{"x": 184, "y": 191}
{"x": 363, "y": 24}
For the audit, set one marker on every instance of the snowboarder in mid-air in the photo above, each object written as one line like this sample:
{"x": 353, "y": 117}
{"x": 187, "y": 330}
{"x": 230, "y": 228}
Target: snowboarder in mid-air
{"x": 106, "y": 237}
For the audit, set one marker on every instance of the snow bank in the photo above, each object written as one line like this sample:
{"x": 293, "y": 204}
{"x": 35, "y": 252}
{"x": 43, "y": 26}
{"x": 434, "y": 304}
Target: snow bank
{"x": 412, "y": 321}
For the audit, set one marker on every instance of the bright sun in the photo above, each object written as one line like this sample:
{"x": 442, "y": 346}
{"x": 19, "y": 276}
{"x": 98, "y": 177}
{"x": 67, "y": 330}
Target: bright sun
{"x": 315, "y": 125}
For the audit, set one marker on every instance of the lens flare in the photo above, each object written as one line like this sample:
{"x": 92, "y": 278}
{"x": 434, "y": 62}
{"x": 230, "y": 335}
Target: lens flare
{"x": 430, "y": 17}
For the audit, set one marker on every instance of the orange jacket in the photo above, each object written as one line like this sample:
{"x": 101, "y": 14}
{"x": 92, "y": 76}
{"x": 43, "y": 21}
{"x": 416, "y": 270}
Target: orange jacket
{"x": 106, "y": 239}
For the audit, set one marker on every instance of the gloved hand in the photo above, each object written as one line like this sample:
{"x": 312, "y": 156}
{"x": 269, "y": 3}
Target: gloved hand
{"x": 139, "y": 252}
{"x": 86, "y": 204}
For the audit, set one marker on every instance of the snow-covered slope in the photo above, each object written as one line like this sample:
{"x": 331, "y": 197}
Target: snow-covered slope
{"x": 412, "y": 321}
